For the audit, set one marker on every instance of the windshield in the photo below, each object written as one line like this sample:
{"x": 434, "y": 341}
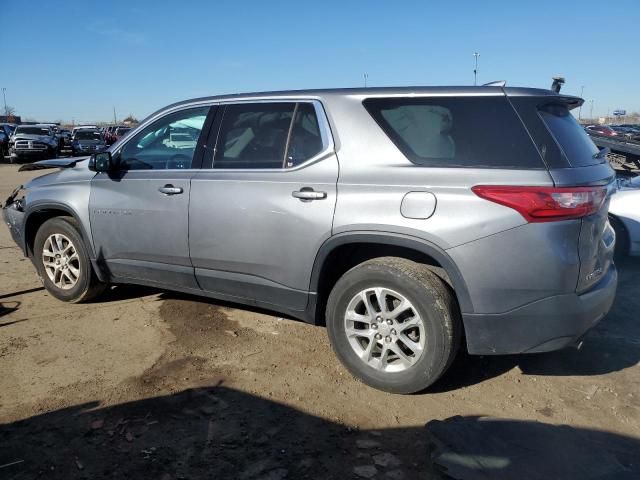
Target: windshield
{"x": 574, "y": 141}
{"x": 88, "y": 135}
{"x": 32, "y": 131}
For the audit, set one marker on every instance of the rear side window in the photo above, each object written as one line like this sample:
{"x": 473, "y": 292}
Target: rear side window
{"x": 267, "y": 135}
{"x": 254, "y": 135}
{"x": 574, "y": 141}
{"x": 456, "y": 132}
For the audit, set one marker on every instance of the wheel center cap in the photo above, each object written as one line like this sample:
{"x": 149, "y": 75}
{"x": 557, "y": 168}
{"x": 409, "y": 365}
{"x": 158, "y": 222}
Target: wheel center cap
{"x": 384, "y": 329}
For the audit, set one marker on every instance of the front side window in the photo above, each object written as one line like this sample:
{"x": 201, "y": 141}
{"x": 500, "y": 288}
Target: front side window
{"x": 168, "y": 143}
{"x": 479, "y": 132}
{"x": 267, "y": 135}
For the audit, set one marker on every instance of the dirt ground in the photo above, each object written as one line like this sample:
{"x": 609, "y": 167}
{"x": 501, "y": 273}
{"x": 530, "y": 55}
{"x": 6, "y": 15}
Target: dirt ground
{"x": 152, "y": 384}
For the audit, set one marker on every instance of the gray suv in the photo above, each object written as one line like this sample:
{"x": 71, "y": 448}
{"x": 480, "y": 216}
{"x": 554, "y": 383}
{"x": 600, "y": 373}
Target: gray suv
{"x": 405, "y": 219}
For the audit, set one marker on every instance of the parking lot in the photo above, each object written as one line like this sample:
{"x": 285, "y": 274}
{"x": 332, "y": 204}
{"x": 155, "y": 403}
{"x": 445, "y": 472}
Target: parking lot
{"x": 173, "y": 386}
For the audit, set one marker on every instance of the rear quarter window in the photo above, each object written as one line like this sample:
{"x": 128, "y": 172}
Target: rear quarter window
{"x": 480, "y": 132}
{"x": 575, "y": 143}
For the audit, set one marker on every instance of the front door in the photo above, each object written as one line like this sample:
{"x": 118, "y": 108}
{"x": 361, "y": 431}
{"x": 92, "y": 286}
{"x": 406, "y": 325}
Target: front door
{"x": 139, "y": 213}
{"x": 263, "y": 207}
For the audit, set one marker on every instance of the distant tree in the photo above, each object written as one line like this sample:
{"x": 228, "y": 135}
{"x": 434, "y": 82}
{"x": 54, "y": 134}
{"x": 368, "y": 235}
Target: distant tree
{"x": 130, "y": 119}
{"x": 9, "y": 111}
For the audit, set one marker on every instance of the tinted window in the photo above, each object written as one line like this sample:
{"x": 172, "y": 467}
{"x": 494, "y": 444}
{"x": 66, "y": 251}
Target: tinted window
{"x": 32, "y": 131}
{"x": 88, "y": 135}
{"x": 169, "y": 142}
{"x": 254, "y": 135}
{"x": 574, "y": 141}
{"x": 305, "y": 141}
{"x": 456, "y": 132}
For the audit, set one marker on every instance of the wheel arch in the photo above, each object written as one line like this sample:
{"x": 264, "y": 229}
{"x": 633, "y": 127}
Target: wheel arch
{"x": 39, "y": 213}
{"x": 343, "y": 251}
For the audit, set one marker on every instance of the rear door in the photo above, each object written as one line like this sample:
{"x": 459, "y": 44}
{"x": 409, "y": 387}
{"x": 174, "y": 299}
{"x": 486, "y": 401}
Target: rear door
{"x": 574, "y": 160}
{"x": 264, "y": 203}
{"x": 139, "y": 214}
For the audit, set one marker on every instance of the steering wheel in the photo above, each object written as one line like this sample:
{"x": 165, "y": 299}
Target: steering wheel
{"x": 179, "y": 161}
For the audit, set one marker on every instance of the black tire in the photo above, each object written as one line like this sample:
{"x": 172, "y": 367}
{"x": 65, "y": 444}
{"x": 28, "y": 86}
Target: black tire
{"x": 622, "y": 237}
{"x": 88, "y": 286}
{"x": 435, "y": 304}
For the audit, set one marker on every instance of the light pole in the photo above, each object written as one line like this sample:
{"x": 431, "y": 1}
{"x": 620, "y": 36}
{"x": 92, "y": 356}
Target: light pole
{"x": 5, "y": 102}
{"x": 475, "y": 70}
{"x": 366, "y": 77}
{"x": 591, "y": 110}
{"x": 581, "y": 96}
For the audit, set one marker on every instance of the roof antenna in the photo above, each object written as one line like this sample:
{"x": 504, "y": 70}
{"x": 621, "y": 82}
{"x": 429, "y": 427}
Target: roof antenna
{"x": 557, "y": 84}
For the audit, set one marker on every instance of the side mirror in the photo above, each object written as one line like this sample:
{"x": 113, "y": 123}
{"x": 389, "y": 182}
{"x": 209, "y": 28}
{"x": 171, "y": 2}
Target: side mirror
{"x": 101, "y": 162}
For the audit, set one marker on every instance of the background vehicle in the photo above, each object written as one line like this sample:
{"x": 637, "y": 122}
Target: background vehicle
{"x": 4, "y": 144}
{"x": 8, "y": 128}
{"x": 603, "y": 130}
{"x": 626, "y": 132}
{"x": 87, "y": 141}
{"x": 83, "y": 127}
{"x": 624, "y": 216}
{"x": 436, "y": 224}
{"x": 33, "y": 142}
{"x": 121, "y": 132}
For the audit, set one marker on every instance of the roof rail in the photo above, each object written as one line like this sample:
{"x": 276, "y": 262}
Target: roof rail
{"x": 497, "y": 83}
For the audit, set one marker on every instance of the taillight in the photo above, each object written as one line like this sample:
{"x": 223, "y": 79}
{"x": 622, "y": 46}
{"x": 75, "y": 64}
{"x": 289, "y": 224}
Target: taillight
{"x": 546, "y": 204}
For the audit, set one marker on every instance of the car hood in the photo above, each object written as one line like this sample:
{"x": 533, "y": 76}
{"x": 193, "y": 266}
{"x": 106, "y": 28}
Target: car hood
{"x": 70, "y": 170}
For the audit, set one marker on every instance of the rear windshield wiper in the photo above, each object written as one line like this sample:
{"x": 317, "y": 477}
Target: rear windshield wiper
{"x": 602, "y": 153}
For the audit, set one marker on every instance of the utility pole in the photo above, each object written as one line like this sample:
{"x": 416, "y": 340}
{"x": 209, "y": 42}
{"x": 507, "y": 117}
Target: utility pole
{"x": 581, "y": 96}
{"x": 115, "y": 122}
{"x": 475, "y": 70}
{"x": 5, "y": 102}
{"x": 366, "y": 77}
{"x": 591, "y": 110}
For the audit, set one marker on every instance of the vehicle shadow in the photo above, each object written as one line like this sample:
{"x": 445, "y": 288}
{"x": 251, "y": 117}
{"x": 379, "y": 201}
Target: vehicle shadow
{"x": 482, "y": 448}
{"x": 8, "y": 307}
{"x": 218, "y": 432}
{"x": 613, "y": 345}
{"x": 20, "y": 292}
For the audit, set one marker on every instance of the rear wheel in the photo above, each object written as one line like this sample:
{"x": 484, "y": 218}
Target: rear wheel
{"x": 394, "y": 324}
{"x": 63, "y": 263}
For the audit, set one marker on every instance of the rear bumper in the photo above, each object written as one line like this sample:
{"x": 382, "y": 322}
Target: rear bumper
{"x": 542, "y": 326}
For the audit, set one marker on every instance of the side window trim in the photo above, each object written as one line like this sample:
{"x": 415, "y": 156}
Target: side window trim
{"x": 328, "y": 145}
{"x": 198, "y": 156}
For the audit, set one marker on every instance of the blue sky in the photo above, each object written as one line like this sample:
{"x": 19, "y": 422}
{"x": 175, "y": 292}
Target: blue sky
{"x": 79, "y": 59}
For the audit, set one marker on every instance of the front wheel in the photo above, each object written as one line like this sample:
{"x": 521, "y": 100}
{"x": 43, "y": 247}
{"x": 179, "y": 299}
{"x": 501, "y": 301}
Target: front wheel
{"x": 394, "y": 324}
{"x": 63, "y": 262}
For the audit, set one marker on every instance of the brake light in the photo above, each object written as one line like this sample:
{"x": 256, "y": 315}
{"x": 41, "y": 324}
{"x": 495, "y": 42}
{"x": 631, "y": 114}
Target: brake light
{"x": 545, "y": 204}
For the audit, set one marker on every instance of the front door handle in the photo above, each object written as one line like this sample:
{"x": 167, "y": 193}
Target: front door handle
{"x": 170, "y": 190}
{"x": 306, "y": 194}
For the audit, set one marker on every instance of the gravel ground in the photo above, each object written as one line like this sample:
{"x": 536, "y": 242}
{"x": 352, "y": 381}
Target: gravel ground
{"x": 151, "y": 384}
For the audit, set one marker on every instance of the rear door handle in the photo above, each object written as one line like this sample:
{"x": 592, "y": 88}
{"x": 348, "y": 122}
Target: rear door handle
{"x": 306, "y": 194}
{"x": 170, "y": 190}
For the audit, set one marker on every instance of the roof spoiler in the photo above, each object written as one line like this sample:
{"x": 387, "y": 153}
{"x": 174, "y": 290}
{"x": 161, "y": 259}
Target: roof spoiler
{"x": 497, "y": 83}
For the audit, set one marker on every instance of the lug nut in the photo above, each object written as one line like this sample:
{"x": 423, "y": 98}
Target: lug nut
{"x": 389, "y": 321}
{"x": 387, "y": 339}
{"x": 393, "y": 331}
{"x": 378, "y": 336}
{"x": 374, "y": 326}
{"x": 378, "y": 319}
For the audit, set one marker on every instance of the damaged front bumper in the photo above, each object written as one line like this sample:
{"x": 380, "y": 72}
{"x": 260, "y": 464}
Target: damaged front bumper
{"x": 13, "y": 217}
